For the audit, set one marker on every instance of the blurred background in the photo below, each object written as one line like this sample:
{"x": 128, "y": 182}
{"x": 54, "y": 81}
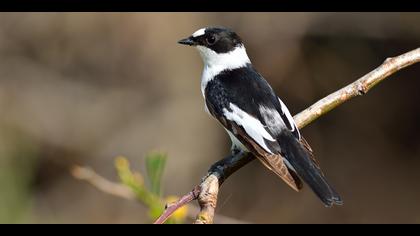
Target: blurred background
{"x": 83, "y": 88}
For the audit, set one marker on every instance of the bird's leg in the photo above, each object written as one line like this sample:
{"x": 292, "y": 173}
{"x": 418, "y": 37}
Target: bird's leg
{"x": 235, "y": 150}
{"x": 225, "y": 167}
{"x": 218, "y": 166}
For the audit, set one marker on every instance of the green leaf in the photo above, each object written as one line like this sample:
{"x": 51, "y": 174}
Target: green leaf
{"x": 155, "y": 164}
{"x": 135, "y": 182}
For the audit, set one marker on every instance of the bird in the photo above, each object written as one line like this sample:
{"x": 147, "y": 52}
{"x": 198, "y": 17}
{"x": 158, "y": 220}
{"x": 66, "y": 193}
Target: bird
{"x": 254, "y": 117}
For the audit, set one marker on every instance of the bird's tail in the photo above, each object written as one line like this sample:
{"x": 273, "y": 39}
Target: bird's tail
{"x": 301, "y": 161}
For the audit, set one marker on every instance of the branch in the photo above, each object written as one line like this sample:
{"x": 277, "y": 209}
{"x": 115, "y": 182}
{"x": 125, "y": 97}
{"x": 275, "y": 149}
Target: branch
{"x": 209, "y": 187}
{"x": 122, "y": 191}
{"x": 171, "y": 208}
{"x": 106, "y": 186}
{"x": 357, "y": 88}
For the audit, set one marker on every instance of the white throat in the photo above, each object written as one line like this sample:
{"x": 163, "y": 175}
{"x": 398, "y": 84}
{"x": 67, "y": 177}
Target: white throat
{"x": 214, "y": 63}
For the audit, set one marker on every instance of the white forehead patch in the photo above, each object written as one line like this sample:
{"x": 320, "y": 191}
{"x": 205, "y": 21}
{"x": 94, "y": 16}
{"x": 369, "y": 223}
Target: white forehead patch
{"x": 199, "y": 32}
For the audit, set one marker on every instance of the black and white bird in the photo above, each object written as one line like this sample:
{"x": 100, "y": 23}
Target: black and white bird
{"x": 256, "y": 120}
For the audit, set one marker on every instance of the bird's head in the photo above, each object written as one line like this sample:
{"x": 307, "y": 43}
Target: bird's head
{"x": 216, "y": 45}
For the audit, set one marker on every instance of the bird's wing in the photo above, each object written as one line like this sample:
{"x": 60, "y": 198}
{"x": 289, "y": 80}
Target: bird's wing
{"x": 274, "y": 162}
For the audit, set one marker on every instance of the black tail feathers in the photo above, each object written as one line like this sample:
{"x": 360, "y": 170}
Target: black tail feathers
{"x": 300, "y": 160}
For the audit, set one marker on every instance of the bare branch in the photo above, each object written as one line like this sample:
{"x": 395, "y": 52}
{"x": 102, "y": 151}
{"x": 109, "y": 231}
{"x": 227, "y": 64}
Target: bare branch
{"x": 89, "y": 175}
{"x": 357, "y": 88}
{"x": 209, "y": 186}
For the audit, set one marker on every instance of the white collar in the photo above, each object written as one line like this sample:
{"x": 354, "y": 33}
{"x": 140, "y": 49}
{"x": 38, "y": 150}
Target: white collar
{"x": 214, "y": 63}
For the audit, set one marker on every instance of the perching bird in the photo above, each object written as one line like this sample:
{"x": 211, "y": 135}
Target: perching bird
{"x": 256, "y": 120}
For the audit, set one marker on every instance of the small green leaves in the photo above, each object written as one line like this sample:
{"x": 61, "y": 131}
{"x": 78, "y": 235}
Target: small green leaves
{"x": 134, "y": 181}
{"x": 155, "y": 164}
{"x": 152, "y": 196}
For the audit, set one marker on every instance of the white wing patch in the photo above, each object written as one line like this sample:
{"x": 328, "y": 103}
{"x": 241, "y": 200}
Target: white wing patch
{"x": 272, "y": 119}
{"x": 289, "y": 117}
{"x": 252, "y": 126}
{"x": 199, "y": 32}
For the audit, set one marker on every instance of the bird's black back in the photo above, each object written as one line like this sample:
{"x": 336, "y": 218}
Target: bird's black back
{"x": 245, "y": 88}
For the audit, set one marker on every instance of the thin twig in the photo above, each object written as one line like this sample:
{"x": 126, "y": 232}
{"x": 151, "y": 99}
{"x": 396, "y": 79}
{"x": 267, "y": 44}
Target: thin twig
{"x": 89, "y": 175}
{"x": 209, "y": 186}
{"x": 172, "y": 207}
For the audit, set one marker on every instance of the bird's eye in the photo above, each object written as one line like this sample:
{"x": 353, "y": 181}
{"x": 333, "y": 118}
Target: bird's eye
{"x": 211, "y": 40}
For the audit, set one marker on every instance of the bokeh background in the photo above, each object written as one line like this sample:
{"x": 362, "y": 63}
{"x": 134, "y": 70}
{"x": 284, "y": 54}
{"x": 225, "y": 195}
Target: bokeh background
{"x": 83, "y": 88}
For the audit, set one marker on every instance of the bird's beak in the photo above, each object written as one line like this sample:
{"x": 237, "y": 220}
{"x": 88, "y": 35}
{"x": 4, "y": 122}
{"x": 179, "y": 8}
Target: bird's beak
{"x": 188, "y": 41}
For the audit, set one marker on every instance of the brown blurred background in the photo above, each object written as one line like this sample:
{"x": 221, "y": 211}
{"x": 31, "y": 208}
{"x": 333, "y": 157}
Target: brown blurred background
{"x": 83, "y": 88}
